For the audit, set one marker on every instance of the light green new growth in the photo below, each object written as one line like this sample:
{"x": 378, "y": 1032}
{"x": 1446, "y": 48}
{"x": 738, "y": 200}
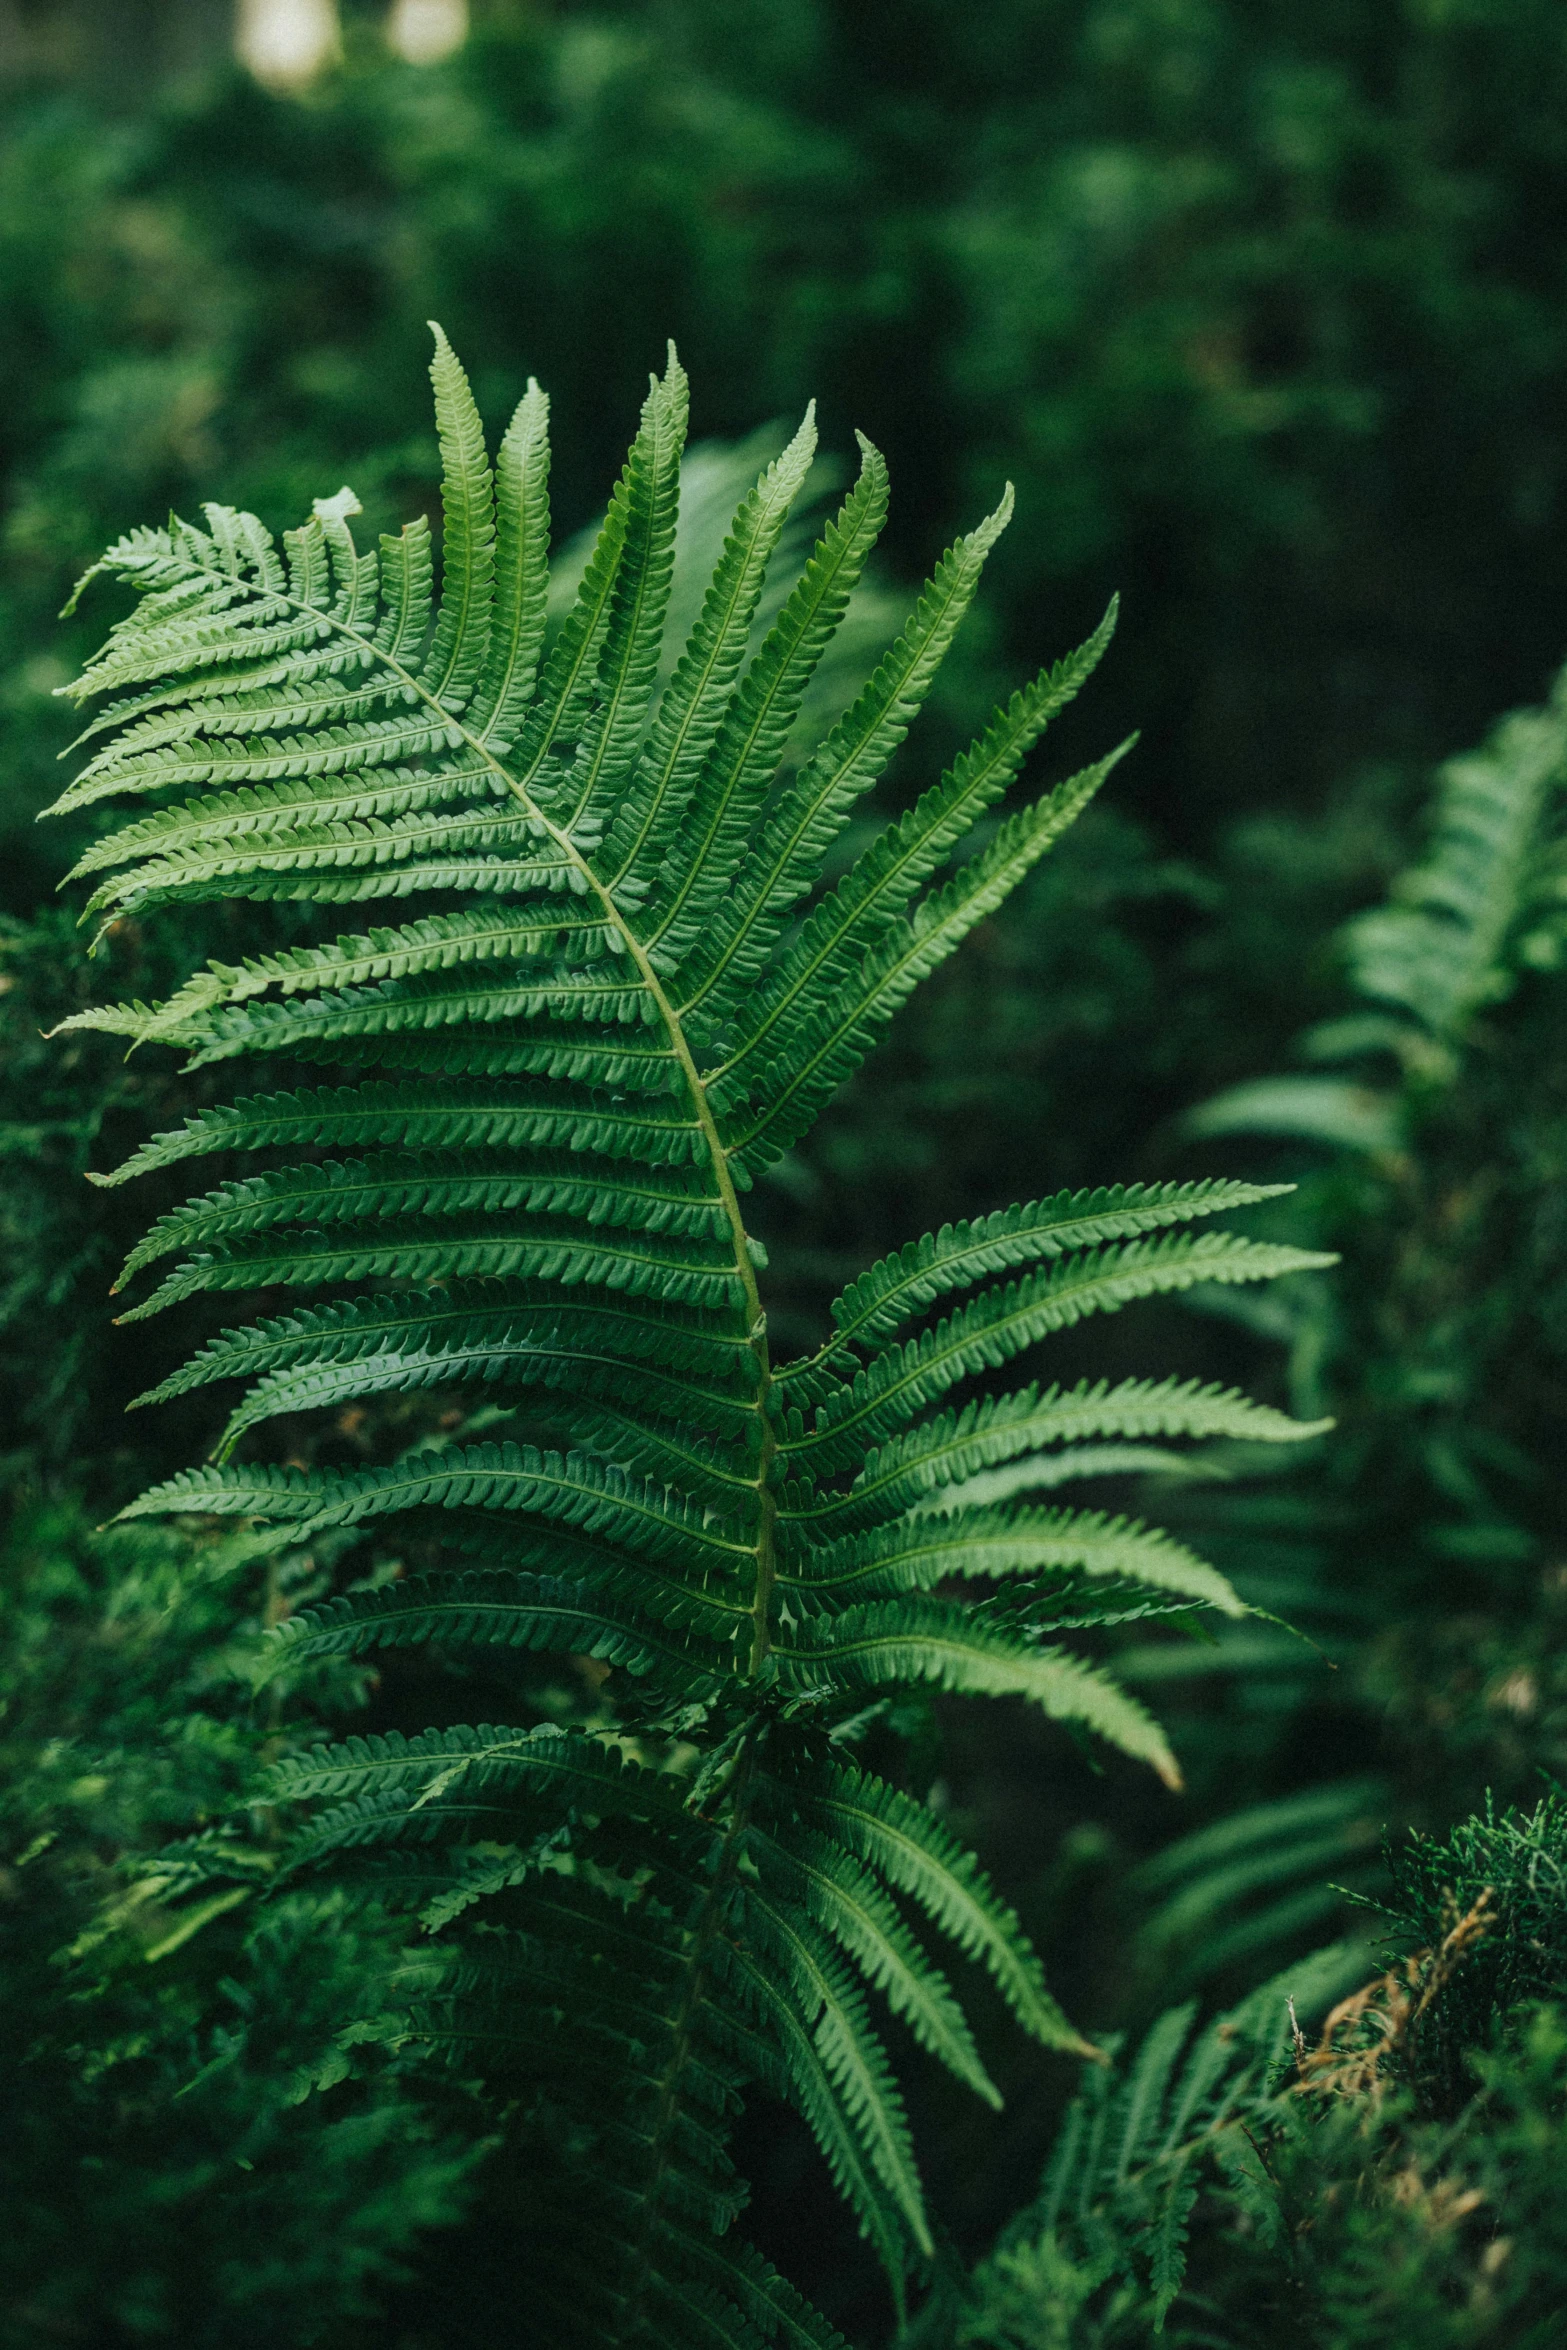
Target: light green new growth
{"x": 554, "y": 1089}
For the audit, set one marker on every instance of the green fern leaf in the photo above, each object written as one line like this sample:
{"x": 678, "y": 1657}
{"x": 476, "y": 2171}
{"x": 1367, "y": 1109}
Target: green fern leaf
{"x": 522, "y": 542}
{"x": 462, "y": 629}
{"x": 728, "y": 793}
{"x": 552, "y": 1085}
{"x": 814, "y": 1054}
{"x": 916, "y": 1553}
{"x": 867, "y": 902}
{"x": 1002, "y": 1323}
{"x": 959, "y": 1255}
{"x": 915, "y": 1470}
{"x": 694, "y": 706}
{"x": 907, "y": 1845}
{"x": 410, "y": 1769}
{"x": 925, "y": 1640}
{"x": 802, "y": 2072}
{"x": 611, "y": 1621}
{"x": 634, "y": 623}
{"x": 786, "y": 862}
{"x": 815, "y": 1878}
{"x": 854, "y": 2059}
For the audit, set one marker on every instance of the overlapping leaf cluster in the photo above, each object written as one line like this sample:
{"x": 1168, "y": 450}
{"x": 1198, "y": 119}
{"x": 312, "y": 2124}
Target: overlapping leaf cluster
{"x": 628, "y": 993}
{"x": 1346, "y": 2165}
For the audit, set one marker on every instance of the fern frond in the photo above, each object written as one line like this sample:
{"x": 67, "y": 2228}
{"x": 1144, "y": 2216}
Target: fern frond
{"x": 364, "y": 1191}
{"x": 786, "y": 861}
{"x": 1261, "y": 1877}
{"x": 727, "y": 800}
{"x": 435, "y": 944}
{"x": 390, "y": 1765}
{"x": 345, "y": 738}
{"x": 651, "y": 1522}
{"x": 1137, "y": 2143}
{"x": 462, "y": 628}
{"x": 1440, "y": 950}
{"x": 487, "y": 1331}
{"x": 613, "y": 1618}
{"x": 694, "y": 704}
{"x": 914, "y": 1470}
{"x": 642, "y": 1264}
{"x": 486, "y": 851}
{"x": 816, "y": 1878}
{"x": 634, "y": 624}
{"x": 459, "y": 1116}
{"x": 868, "y": 901}
{"x": 265, "y": 814}
{"x": 853, "y": 2058}
{"x": 501, "y": 1028}
{"x": 1454, "y": 936}
{"x": 553, "y": 1083}
{"x": 801, "y": 2072}
{"x": 407, "y": 587}
{"x": 522, "y": 545}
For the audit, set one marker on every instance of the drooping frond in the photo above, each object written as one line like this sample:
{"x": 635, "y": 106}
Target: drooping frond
{"x": 817, "y": 1878}
{"x": 621, "y": 988}
{"x": 904, "y": 1841}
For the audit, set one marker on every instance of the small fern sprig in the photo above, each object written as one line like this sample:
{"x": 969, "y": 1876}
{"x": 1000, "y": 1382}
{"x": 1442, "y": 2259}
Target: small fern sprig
{"x": 1147, "y": 2134}
{"x": 1454, "y": 938}
{"x": 557, "y": 1093}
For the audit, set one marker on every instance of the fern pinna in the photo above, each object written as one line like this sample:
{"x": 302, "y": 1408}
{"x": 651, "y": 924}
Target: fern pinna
{"x": 556, "y": 1091}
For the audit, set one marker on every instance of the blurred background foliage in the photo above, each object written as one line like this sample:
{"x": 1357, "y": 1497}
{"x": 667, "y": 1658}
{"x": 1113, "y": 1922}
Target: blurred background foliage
{"x": 1264, "y": 310}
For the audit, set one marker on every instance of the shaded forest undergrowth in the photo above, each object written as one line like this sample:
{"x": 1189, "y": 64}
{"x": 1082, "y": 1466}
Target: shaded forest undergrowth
{"x": 1354, "y": 987}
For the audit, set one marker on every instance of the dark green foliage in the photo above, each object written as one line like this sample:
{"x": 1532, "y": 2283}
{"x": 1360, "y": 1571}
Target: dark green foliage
{"x": 1262, "y": 310}
{"x": 1433, "y": 1163}
{"x": 190, "y": 2151}
{"x": 1417, "y": 2213}
{"x": 1518, "y": 1863}
{"x": 1356, "y": 2226}
{"x": 1256, "y": 1880}
{"x": 50, "y": 1250}
{"x": 1418, "y": 2232}
{"x": 1395, "y": 2185}
{"x": 1138, "y": 2146}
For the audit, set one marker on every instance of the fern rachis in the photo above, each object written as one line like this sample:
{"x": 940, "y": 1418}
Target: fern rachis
{"x": 557, "y": 1097}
